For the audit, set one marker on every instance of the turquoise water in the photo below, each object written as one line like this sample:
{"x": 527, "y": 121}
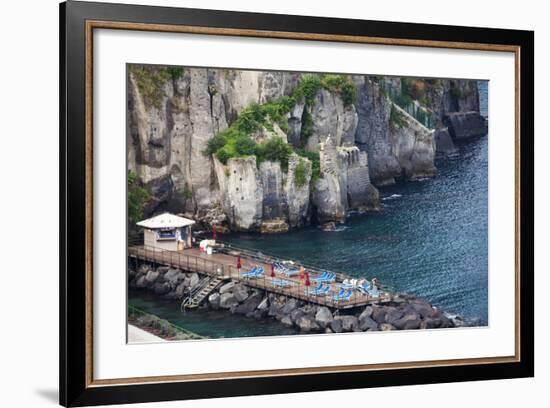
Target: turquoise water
{"x": 430, "y": 240}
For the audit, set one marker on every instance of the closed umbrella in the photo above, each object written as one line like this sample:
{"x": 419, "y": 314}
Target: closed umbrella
{"x": 307, "y": 280}
{"x": 302, "y": 273}
{"x": 272, "y": 270}
{"x": 239, "y": 264}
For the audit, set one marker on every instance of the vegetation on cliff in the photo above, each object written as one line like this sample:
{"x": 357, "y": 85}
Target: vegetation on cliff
{"x": 237, "y": 140}
{"x": 137, "y": 197}
{"x": 150, "y": 80}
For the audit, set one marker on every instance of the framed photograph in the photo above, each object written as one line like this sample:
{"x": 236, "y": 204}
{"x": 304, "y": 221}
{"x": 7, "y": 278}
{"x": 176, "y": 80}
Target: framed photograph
{"x": 256, "y": 204}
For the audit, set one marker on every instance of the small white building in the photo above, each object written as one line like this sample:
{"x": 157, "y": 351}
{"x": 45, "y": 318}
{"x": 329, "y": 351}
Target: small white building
{"x": 167, "y": 231}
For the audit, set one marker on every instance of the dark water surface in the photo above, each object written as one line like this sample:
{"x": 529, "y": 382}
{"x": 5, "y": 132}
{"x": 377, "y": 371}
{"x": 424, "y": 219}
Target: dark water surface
{"x": 430, "y": 239}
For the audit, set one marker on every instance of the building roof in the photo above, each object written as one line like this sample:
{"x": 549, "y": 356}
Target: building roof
{"x": 165, "y": 220}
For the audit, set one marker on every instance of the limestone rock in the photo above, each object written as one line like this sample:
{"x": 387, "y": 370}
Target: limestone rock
{"x": 464, "y": 125}
{"x": 349, "y": 323}
{"x": 240, "y": 292}
{"x": 444, "y": 144}
{"x": 228, "y": 300}
{"x": 366, "y": 323}
{"x": 323, "y": 317}
{"x": 151, "y": 277}
{"x": 214, "y": 300}
{"x": 407, "y": 322}
{"x": 227, "y": 287}
{"x": 306, "y": 323}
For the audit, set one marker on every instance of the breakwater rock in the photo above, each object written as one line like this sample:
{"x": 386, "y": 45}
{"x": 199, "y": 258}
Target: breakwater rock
{"x": 402, "y": 312}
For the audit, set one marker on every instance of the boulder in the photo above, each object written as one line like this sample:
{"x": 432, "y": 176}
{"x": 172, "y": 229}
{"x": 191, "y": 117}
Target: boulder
{"x": 423, "y": 309}
{"x": 464, "y": 125}
{"x": 296, "y": 314}
{"x": 249, "y": 305}
{"x": 379, "y": 314}
{"x": 393, "y": 314}
{"x": 214, "y": 300}
{"x": 193, "y": 280}
{"x": 289, "y": 306}
{"x": 228, "y": 300}
{"x": 141, "y": 282}
{"x": 306, "y": 323}
{"x": 287, "y": 321}
{"x": 264, "y": 304}
{"x": 163, "y": 269}
{"x": 456, "y": 320}
{"x": 161, "y": 288}
{"x": 408, "y": 322}
{"x": 349, "y": 323}
{"x": 240, "y": 292}
{"x": 366, "y": 323}
{"x": 323, "y": 317}
{"x": 173, "y": 276}
{"x": 444, "y": 145}
{"x": 151, "y": 277}
{"x": 336, "y": 325}
{"x": 180, "y": 290}
{"x": 430, "y": 323}
{"x": 227, "y": 287}
{"x": 276, "y": 226}
{"x": 367, "y": 312}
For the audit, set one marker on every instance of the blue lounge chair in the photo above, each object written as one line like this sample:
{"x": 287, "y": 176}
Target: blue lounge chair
{"x": 281, "y": 268}
{"x": 250, "y": 272}
{"x": 255, "y": 272}
{"x": 364, "y": 288}
{"x": 323, "y": 291}
{"x": 344, "y": 296}
{"x": 315, "y": 291}
{"x": 374, "y": 292}
{"x": 321, "y": 278}
{"x": 325, "y": 277}
{"x": 281, "y": 283}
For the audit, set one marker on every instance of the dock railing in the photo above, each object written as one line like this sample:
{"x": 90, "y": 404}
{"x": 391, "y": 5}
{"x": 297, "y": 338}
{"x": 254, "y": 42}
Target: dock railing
{"x": 297, "y": 289}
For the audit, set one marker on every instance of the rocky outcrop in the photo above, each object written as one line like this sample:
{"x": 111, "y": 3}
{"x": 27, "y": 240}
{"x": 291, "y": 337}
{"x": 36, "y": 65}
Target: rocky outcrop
{"x": 297, "y": 196}
{"x": 331, "y": 118}
{"x": 464, "y": 125}
{"x": 241, "y": 192}
{"x": 413, "y": 146}
{"x": 444, "y": 145}
{"x": 175, "y": 112}
{"x": 373, "y": 131}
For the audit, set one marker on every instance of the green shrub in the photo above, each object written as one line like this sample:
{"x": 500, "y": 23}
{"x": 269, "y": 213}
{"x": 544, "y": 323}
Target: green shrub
{"x": 315, "y": 159}
{"x": 274, "y": 149}
{"x": 300, "y": 173}
{"x": 137, "y": 197}
{"x": 307, "y": 88}
{"x": 397, "y": 120}
{"x": 150, "y": 80}
{"x": 307, "y": 127}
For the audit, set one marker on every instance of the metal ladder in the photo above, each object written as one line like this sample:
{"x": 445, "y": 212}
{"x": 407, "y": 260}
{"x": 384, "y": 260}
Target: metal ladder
{"x": 196, "y": 297}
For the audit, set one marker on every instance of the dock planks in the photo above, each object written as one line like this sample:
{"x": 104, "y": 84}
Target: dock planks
{"x": 224, "y": 266}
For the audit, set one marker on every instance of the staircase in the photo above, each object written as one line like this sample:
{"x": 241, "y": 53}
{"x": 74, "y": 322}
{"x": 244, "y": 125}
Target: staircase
{"x": 200, "y": 293}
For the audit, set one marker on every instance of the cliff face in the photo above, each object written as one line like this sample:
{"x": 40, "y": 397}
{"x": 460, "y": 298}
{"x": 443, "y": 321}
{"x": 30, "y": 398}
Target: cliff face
{"x": 343, "y": 145}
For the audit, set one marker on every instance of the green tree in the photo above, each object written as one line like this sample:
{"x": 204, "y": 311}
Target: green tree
{"x": 137, "y": 197}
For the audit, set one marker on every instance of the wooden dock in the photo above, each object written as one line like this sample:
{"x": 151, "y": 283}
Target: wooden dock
{"x": 224, "y": 265}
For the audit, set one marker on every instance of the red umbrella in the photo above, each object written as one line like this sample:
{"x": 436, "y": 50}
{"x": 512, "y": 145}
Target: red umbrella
{"x": 307, "y": 280}
{"x": 214, "y": 235}
{"x": 238, "y": 262}
{"x": 272, "y": 270}
{"x": 302, "y": 272}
